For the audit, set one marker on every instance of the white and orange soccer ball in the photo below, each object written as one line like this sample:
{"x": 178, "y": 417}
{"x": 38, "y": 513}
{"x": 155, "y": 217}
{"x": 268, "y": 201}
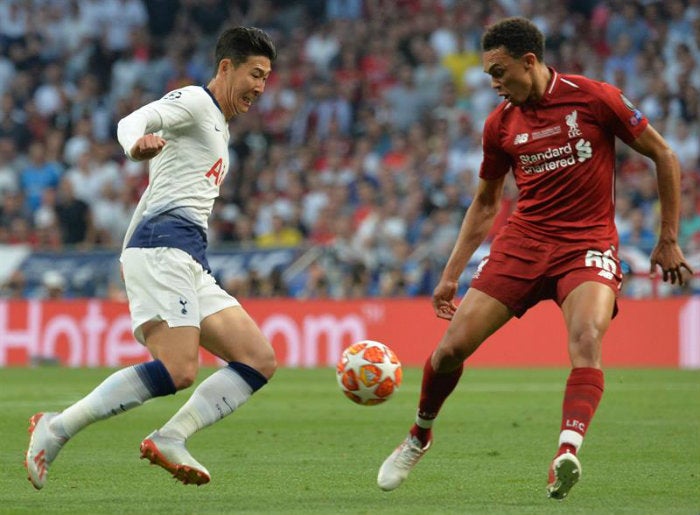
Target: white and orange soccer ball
{"x": 369, "y": 372}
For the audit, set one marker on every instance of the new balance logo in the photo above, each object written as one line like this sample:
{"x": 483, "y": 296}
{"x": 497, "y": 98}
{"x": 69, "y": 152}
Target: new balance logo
{"x": 521, "y": 138}
{"x": 607, "y": 275}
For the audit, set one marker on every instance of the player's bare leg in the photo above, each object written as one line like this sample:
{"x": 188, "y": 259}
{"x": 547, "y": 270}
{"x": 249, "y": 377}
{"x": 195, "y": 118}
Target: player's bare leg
{"x": 121, "y": 391}
{"x": 587, "y": 312}
{"x": 476, "y": 318}
{"x": 178, "y": 349}
{"x": 233, "y": 336}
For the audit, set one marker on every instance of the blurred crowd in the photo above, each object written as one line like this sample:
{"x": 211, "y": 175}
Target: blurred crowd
{"x": 364, "y": 150}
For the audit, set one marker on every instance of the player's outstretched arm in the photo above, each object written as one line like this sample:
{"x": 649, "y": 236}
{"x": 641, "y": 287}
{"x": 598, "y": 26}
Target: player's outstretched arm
{"x": 475, "y": 226}
{"x": 667, "y": 254}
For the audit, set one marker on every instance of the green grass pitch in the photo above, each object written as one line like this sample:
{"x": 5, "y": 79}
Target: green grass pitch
{"x": 300, "y": 447}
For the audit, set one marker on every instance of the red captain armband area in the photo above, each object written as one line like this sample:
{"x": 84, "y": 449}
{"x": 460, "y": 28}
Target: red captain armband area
{"x": 216, "y": 171}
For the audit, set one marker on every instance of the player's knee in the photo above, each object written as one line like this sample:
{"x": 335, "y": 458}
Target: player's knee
{"x": 586, "y": 335}
{"x": 184, "y": 376}
{"x": 585, "y": 346}
{"x": 447, "y": 358}
{"x": 267, "y": 364}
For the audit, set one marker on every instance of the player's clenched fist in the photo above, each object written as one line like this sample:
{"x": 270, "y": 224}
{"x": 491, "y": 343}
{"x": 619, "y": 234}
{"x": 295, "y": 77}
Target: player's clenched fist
{"x": 147, "y": 146}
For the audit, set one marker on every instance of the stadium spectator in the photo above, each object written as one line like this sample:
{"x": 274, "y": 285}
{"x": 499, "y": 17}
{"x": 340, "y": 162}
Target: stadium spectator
{"x": 45, "y": 216}
{"x": 15, "y": 218}
{"x": 686, "y": 144}
{"x": 280, "y": 234}
{"x": 404, "y": 101}
{"x": 689, "y": 231}
{"x": 14, "y": 287}
{"x": 74, "y": 216}
{"x": 9, "y": 181}
{"x": 623, "y": 59}
{"x": 628, "y": 22}
{"x": 430, "y": 75}
{"x": 243, "y": 233}
{"x": 53, "y": 285}
{"x": 110, "y": 215}
{"x": 637, "y": 233}
{"x": 321, "y": 47}
{"x": 13, "y": 122}
{"x": 318, "y": 285}
{"x": 38, "y": 175}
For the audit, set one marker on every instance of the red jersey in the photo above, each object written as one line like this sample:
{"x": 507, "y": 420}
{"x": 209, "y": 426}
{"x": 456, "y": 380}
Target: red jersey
{"x": 562, "y": 153}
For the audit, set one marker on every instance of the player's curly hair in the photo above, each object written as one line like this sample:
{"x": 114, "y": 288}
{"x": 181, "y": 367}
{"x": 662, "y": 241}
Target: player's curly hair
{"x": 517, "y": 35}
{"x": 239, "y": 43}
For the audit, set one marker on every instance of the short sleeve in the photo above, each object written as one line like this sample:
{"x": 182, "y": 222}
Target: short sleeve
{"x": 496, "y": 162}
{"x": 617, "y": 112}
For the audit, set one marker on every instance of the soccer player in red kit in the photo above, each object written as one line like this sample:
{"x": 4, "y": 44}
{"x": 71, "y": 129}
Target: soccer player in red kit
{"x": 556, "y": 133}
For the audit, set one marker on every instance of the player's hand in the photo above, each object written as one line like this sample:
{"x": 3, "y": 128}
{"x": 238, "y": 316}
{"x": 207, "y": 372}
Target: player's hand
{"x": 147, "y": 146}
{"x": 443, "y": 299}
{"x": 669, "y": 257}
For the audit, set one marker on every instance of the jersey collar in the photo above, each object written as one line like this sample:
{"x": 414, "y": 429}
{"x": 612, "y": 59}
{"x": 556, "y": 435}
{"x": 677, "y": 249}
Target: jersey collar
{"x": 216, "y": 103}
{"x": 551, "y": 86}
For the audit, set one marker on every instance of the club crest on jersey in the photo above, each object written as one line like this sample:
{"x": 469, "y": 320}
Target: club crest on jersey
{"x": 571, "y": 121}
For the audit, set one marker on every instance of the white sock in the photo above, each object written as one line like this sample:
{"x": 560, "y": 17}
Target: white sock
{"x": 216, "y": 397}
{"x": 571, "y": 438}
{"x": 121, "y": 391}
{"x": 424, "y": 423}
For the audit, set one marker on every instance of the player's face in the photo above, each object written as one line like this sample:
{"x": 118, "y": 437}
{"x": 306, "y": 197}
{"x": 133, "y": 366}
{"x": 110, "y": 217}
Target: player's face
{"x": 510, "y": 76}
{"x": 245, "y": 84}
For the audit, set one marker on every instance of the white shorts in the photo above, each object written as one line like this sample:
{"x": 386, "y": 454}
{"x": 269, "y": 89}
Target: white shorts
{"x": 168, "y": 284}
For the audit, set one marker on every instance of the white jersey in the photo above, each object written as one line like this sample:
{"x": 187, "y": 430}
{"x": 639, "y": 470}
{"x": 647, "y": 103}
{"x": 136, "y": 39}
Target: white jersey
{"x": 184, "y": 179}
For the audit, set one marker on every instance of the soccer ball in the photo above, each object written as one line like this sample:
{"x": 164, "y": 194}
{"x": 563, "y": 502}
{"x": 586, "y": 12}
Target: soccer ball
{"x": 368, "y": 372}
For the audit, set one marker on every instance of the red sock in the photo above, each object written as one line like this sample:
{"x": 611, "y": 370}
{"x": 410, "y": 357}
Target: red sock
{"x": 584, "y": 389}
{"x": 435, "y": 388}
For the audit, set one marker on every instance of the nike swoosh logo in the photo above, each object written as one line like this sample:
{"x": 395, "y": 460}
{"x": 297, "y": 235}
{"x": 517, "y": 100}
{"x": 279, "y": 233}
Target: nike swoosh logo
{"x": 217, "y": 129}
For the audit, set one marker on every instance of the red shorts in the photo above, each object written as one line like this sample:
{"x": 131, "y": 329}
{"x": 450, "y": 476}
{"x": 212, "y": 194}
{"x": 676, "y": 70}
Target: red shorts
{"x": 520, "y": 271}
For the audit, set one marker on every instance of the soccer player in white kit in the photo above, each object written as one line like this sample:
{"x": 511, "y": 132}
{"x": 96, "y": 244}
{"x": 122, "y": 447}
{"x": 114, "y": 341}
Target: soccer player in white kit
{"x": 175, "y": 303}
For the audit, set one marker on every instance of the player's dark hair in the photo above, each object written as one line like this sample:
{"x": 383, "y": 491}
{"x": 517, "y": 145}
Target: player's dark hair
{"x": 518, "y": 36}
{"x": 239, "y": 43}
